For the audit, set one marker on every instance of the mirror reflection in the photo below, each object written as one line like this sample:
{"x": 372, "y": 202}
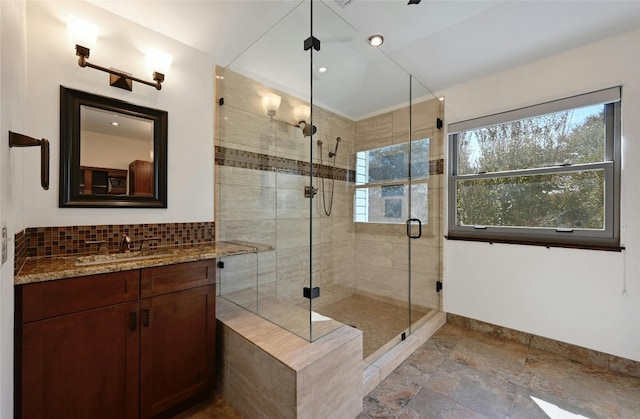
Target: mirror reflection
{"x": 112, "y": 153}
{"x": 116, "y": 153}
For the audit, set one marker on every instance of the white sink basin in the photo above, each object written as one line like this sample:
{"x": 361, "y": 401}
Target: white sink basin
{"x": 118, "y": 257}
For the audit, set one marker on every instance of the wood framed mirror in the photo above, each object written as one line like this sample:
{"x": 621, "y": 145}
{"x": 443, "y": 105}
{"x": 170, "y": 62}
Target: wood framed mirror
{"x": 112, "y": 153}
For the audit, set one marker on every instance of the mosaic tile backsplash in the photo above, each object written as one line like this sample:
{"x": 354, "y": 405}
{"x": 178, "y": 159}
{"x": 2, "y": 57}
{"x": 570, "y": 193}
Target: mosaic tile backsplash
{"x": 71, "y": 240}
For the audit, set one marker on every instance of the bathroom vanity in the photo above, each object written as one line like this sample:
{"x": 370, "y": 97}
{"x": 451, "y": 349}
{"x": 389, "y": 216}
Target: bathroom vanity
{"x": 124, "y": 339}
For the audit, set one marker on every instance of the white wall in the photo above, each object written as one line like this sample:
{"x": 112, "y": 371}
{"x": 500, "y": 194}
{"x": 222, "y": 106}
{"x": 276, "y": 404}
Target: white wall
{"x": 12, "y": 87}
{"x": 587, "y": 298}
{"x": 187, "y": 94}
{"x": 35, "y": 59}
{"x": 106, "y": 151}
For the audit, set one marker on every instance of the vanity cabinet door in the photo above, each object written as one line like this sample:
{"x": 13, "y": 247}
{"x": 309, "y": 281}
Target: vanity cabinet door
{"x": 177, "y": 335}
{"x": 82, "y": 365}
{"x": 177, "y": 353}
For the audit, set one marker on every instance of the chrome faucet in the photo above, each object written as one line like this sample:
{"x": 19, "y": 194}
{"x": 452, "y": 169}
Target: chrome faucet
{"x": 125, "y": 243}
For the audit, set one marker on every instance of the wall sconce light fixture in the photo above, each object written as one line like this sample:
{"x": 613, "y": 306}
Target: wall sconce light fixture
{"x": 271, "y": 104}
{"x": 302, "y": 113}
{"x": 84, "y": 35}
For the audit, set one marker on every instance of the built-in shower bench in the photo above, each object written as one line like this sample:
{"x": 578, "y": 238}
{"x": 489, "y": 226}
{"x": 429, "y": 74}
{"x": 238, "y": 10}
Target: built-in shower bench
{"x": 269, "y": 372}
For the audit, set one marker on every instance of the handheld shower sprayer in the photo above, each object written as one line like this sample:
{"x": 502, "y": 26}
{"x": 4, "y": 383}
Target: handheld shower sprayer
{"x": 335, "y": 151}
{"x": 332, "y": 155}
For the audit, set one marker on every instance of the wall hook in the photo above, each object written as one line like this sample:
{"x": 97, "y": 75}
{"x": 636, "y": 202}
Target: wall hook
{"x": 19, "y": 140}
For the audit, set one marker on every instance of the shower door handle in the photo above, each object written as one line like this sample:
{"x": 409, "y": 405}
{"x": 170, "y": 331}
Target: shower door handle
{"x": 411, "y": 221}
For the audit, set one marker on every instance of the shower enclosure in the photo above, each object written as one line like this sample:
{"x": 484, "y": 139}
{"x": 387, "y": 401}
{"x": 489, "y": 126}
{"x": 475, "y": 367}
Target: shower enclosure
{"x": 331, "y": 153}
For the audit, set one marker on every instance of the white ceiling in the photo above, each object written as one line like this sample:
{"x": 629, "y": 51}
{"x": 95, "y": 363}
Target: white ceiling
{"x": 441, "y": 43}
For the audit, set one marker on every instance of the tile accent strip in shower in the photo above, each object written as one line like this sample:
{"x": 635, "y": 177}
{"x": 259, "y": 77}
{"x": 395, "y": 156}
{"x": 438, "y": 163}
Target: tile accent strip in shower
{"x": 257, "y": 161}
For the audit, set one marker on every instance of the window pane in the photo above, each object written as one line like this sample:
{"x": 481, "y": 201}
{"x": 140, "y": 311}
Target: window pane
{"x": 561, "y": 200}
{"x": 389, "y": 204}
{"x": 569, "y": 137}
{"x": 390, "y": 164}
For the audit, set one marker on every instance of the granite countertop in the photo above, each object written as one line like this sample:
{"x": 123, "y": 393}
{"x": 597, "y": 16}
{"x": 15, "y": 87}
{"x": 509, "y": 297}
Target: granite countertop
{"x": 47, "y": 268}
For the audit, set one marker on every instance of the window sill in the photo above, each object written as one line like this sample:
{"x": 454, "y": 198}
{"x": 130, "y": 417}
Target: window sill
{"x": 538, "y": 243}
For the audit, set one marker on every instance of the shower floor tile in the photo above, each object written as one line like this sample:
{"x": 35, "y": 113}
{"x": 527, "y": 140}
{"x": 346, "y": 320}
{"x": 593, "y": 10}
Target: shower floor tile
{"x": 380, "y": 322}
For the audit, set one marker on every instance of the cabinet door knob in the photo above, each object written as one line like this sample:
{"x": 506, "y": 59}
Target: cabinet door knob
{"x": 133, "y": 325}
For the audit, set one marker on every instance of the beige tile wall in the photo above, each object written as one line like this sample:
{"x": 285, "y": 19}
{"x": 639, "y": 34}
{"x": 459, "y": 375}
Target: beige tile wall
{"x": 268, "y": 205}
{"x": 381, "y": 251}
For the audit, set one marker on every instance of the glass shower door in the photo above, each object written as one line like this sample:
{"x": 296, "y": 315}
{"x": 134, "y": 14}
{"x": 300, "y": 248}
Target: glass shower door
{"x": 424, "y": 233}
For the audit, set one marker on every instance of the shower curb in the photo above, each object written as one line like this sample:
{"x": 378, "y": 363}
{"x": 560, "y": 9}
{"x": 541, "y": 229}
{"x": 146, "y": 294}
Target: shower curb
{"x": 374, "y": 373}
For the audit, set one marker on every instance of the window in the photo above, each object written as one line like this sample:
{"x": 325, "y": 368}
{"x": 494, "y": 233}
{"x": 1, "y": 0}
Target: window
{"x": 546, "y": 174}
{"x": 384, "y": 187}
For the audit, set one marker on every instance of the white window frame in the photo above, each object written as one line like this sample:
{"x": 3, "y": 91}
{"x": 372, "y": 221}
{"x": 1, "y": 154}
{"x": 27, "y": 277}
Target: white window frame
{"x": 608, "y": 238}
{"x": 361, "y": 190}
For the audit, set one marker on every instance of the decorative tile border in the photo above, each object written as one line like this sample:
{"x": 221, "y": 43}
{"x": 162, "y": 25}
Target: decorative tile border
{"x": 250, "y": 160}
{"x": 257, "y": 161}
{"x": 71, "y": 240}
{"x": 574, "y": 353}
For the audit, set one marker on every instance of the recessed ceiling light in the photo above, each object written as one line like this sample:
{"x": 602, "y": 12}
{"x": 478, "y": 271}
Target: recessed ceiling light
{"x": 322, "y": 69}
{"x": 115, "y": 124}
{"x": 376, "y": 40}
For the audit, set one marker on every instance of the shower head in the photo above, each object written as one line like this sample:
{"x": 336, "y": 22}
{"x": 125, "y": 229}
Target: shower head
{"x": 335, "y": 151}
{"x": 307, "y": 129}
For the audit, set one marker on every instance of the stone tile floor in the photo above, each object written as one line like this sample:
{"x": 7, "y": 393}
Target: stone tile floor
{"x": 460, "y": 373}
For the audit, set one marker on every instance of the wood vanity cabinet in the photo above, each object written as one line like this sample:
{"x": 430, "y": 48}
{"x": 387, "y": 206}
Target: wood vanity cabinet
{"x": 177, "y": 338}
{"x": 120, "y": 345}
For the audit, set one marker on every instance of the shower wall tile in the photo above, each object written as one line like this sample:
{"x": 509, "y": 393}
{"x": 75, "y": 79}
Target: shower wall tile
{"x": 258, "y": 231}
{"x": 342, "y": 201}
{"x": 424, "y": 256}
{"x": 294, "y": 232}
{"x": 240, "y": 92}
{"x": 294, "y": 264}
{"x": 331, "y": 127}
{"x": 246, "y": 177}
{"x": 247, "y": 202}
{"x": 334, "y": 125}
{"x": 423, "y": 117}
{"x": 247, "y": 131}
{"x": 240, "y": 273}
{"x": 377, "y": 280}
{"x": 292, "y": 203}
{"x": 337, "y": 258}
{"x": 292, "y": 143}
{"x": 336, "y": 229}
{"x": 286, "y": 161}
{"x": 376, "y": 253}
{"x": 291, "y": 181}
{"x": 374, "y": 132}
